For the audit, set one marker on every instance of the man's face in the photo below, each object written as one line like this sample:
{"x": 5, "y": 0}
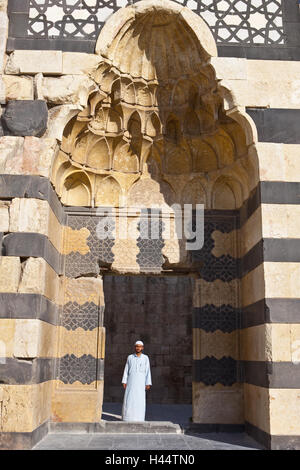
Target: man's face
{"x": 138, "y": 348}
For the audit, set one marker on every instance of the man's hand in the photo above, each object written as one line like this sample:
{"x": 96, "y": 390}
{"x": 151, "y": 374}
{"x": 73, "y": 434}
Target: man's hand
{"x": 148, "y": 387}
{"x": 124, "y": 386}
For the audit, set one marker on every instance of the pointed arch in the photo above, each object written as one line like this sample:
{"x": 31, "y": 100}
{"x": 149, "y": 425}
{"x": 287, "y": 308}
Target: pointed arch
{"x": 98, "y": 156}
{"x": 76, "y": 190}
{"x": 108, "y": 192}
{"x": 227, "y": 193}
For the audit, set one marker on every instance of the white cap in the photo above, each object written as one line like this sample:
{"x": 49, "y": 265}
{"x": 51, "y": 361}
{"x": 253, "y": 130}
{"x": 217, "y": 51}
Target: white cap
{"x": 139, "y": 342}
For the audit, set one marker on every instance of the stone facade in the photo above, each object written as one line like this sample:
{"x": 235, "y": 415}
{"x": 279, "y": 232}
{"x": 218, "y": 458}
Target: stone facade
{"x": 105, "y": 125}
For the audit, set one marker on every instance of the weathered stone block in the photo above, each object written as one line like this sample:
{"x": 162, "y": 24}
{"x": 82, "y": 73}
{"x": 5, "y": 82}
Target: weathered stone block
{"x": 258, "y": 70}
{"x": 2, "y": 95}
{"x": 25, "y": 118}
{"x": 284, "y": 403}
{"x": 230, "y": 68}
{"x": 59, "y": 116}
{"x": 31, "y": 156}
{"x": 11, "y": 148}
{"x": 22, "y": 410}
{"x": 7, "y": 331}
{"x": 26, "y": 338}
{"x": 10, "y": 273}
{"x": 70, "y": 89}
{"x": 278, "y": 162}
{"x": 18, "y": 88}
{"x": 257, "y": 406}
{"x": 3, "y": 35}
{"x": 217, "y": 404}
{"x": 4, "y": 216}
{"x": 78, "y": 342}
{"x": 32, "y": 62}
{"x": 37, "y": 155}
{"x": 282, "y": 279}
{"x": 78, "y": 63}
{"x": 82, "y": 406}
{"x": 29, "y": 215}
{"x": 38, "y": 277}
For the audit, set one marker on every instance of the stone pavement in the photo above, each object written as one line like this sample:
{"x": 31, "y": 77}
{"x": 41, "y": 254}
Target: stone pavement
{"x": 177, "y": 416}
{"x": 210, "y": 441}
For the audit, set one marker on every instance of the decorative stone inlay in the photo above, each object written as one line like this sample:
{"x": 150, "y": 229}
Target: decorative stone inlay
{"x": 224, "y": 267}
{"x": 75, "y": 240}
{"x": 243, "y": 21}
{"x": 211, "y": 370}
{"x": 231, "y": 21}
{"x": 147, "y": 250}
{"x": 82, "y": 369}
{"x": 100, "y": 251}
{"x": 84, "y": 316}
{"x": 150, "y": 243}
{"x": 212, "y": 318}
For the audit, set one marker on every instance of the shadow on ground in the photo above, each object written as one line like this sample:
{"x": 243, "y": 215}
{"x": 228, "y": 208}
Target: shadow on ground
{"x": 177, "y": 414}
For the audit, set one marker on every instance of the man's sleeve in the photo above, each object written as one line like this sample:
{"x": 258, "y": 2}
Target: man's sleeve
{"x": 148, "y": 373}
{"x": 125, "y": 374}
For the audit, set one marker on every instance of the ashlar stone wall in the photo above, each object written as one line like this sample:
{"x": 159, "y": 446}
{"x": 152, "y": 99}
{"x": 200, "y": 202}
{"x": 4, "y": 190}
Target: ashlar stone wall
{"x": 245, "y": 320}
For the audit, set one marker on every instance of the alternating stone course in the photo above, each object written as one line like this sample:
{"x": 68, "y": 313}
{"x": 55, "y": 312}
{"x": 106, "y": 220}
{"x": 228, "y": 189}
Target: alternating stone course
{"x": 150, "y": 117}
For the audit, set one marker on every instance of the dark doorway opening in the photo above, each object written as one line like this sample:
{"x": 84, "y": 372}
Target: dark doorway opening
{"x": 158, "y": 311}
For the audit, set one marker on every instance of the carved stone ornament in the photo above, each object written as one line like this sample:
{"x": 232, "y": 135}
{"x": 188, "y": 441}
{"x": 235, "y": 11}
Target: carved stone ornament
{"x": 155, "y": 131}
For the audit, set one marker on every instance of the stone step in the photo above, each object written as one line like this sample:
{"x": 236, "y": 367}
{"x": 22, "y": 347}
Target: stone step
{"x": 117, "y": 427}
{"x": 161, "y": 427}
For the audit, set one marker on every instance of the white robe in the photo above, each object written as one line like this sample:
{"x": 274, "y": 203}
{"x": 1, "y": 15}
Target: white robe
{"x": 136, "y": 375}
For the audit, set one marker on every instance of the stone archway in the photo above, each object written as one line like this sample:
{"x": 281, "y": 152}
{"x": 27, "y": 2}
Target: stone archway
{"x": 156, "y": 132}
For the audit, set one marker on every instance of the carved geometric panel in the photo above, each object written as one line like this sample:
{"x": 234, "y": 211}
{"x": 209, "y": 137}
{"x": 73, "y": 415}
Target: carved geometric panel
{"x": 70, "y": 18}
{"x": 150, "y": 244}
{"x": 84, "y": 316}
{"x": 211, "y": 318}
{"x": 243, "y": 21}
{"x": 77, "y": 264}
{"x": 225, "y": 267}
{"x": 210, "y": 370}
{"x": 231, "y": 21}
{"x": 85, "y": 369}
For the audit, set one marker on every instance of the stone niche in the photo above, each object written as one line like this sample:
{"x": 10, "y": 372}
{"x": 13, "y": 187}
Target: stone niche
{"x": 155, "y": 130}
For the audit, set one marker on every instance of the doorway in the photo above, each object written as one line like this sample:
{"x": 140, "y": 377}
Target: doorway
{"x": 158, "y": 311}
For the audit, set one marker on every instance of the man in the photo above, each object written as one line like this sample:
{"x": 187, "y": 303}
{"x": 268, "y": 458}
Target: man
{"x": 136, "y": 380}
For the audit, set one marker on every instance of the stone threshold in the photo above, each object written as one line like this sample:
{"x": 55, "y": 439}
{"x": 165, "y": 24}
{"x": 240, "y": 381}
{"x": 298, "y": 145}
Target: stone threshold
{"x": 117, "y": 427}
